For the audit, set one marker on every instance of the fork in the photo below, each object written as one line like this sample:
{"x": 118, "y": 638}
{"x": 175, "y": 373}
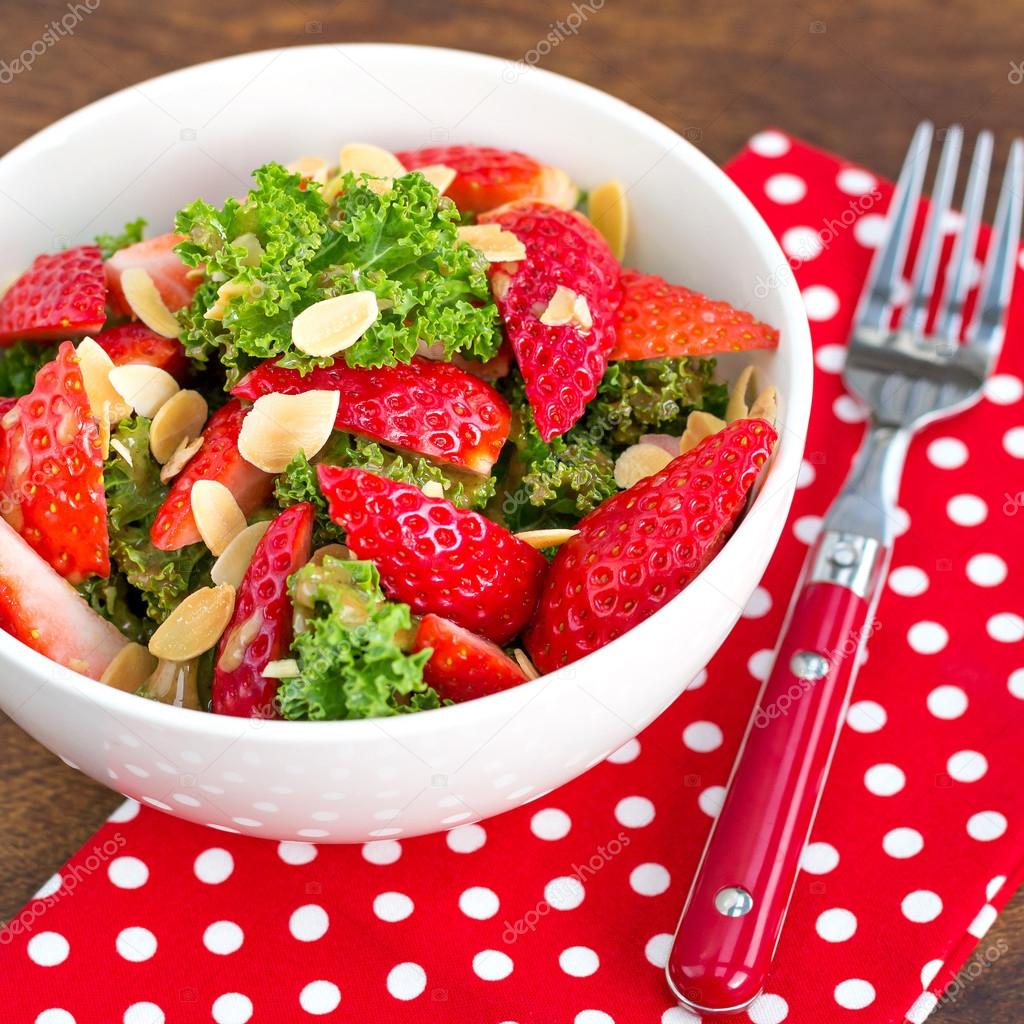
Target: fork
{"x": 908, "y": 375}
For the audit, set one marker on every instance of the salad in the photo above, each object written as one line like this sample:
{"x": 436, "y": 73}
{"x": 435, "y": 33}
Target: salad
{"x": 384, "y": 434}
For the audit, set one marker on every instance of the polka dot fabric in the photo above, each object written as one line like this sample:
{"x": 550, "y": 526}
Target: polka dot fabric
{"x": 562, "y": 912}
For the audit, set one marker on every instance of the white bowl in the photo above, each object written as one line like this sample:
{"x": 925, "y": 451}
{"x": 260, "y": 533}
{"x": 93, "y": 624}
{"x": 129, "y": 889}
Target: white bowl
{"x": 151, "y": 148}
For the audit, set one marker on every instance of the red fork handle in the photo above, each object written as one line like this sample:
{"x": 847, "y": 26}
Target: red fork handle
{"x": 726, "y": 938}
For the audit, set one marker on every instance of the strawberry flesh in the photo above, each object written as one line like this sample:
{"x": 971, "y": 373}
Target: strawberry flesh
{"x": 640, "y": 548}
{"x": 435, "y": 557}
{"x": 660, "y": 319}
{"x": 463, "y": 666}
{"x": 59, "y": 296}
{"x": 436, "y": 409}
{"x": 260, "y": 630}
{"x": 218, "y": 459}
{"x": 175, "y": 281}
{"x": 136, "y": 343}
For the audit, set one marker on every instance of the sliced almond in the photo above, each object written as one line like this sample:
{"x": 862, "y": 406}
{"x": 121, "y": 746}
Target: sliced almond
{"x": 439, "y": 175}
{"x": 253, "y": 247}
{"x": 285, "y": 668}
{"x": 179, "y": 460}
{"x": 147, "y": 304}
{"x": 493, "y": 242}
{"x": 433, "y": 489}
{"x": 96, "y": 365}
{"x": 698, "y": 426}
{"x": 225, "y": 293}
{"x": 333, "y": 325}
{"x": 546, "y": 538}
{"x": 131, "y": 667}
{"x": 312, "y": 168}
{"x": 195, "y": 625}
{"x": 364, "y": 158}
{"x": 234, "y": 560}
{"x": 557, "y": 189}
{"x": 737, "y": 407}
{"x": 765, "y": 406}
{"x": 639, "y": 461}
{"x": 179, "y": 419}
{"x": 145, "y": 388}
{"x": 338, "y": 551}
{"x": 104, "y": 425}
{"x": 278, "y": 427}
{"x": 609, "y": 213}
{"x": 566, "y": 307}
{"x": 217, "y": 515}
{"x": 525, "y": 664}
{"x": 122, "y": 449}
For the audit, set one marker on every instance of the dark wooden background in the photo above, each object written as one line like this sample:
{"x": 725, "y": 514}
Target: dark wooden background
{"x": 851, "y": 76}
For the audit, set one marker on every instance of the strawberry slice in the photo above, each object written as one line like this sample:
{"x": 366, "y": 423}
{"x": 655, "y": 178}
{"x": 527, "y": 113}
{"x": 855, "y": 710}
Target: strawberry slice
{"x": 51, "y": 472}
{"x": 661, "y": 319}
{"x": 136, "y": 343}
{"x": 640, "y": 548}
{"x": 485, "y": 177}
{"x": 260, "y": 630}
{"x": 432, "y": 408}
{"x": 173, "y": 279}
{"x": 218, "y": 459}
{"x": 463, "y": 666}
{"x": 44, "y": 612}
{"x": 59, "y": 296}
{"x": 435, "y": 557}
{"x": 562, "y": 364}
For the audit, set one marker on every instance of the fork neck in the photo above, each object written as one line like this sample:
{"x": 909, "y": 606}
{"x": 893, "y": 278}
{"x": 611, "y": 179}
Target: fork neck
{"x": 866, "y": 506}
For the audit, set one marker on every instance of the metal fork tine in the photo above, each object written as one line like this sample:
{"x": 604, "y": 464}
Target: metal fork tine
{"x": 876, "y": 307}
{"x": 987, "y": 330}
{"x": 950, "y": 318}
{"x": 927, "y": 263}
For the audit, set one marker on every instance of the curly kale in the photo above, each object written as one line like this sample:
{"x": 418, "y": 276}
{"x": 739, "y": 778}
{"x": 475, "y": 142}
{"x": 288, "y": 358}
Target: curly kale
{"x": 132, "y": 233}
{"x": 19, "y": 364}
{"x": 120, "y": 603}
{"x": 284, "y": 247}
{"x": 354, "y": 652}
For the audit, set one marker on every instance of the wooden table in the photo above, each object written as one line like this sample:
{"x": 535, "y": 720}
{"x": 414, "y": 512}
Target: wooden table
{"x": 851, "y": 77}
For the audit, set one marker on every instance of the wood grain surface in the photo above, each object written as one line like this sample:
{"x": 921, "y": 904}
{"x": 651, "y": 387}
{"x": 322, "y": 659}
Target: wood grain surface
{"x": 850, "y": 76}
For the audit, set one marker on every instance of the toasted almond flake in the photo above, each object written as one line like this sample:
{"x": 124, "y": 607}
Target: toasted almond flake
{"x": 234, "y": 560}
{"x": 364, "y": 158}
{"x": 639, "y": 461}
{"x": 331, "y": 551}
{"x": 698, "y": 426}
{"x": 179, "y": 460}
{"x": 145, "y": 388}
{"x": 252, "y": 246}
{"x": 737, "y": 407}
{"x": 174, "y": 682}
{"x": 333, "y": 325}
{"x": 217, "y": 515}
{"x": 312, "y": 168}
{"x": 439, "y": 175}
{"x": 765, "y": 406}
{"x": 236, "y": 643}
{"x": 131, "y": 667}
{"x": 546, "y": 538}
{"x": 566, "y": 307}
{"x": 278, "y": 427}
{"x": 225, "y": 293}
{"x": 285, "y": 668}
{"x": 96, "y": 365}
{"x": 146, "y": 302}
{"x": 525, "y": 664}
{"x": 609, "y": 213}
{"x": 581, "y": 313}
{"x": 493, "y": 242}
{"x": 557, "y": 189}
{"x": 103, "y": 420}
{"x": 499, "y": 284}
{"x": 433, "y": 489}
{"x": 195, "y": 625}
{"x": 122, "y": 449}
{"x": 666, "y": 441}
{"x": 10, "y": 418}
{"x": 179, "y": 419}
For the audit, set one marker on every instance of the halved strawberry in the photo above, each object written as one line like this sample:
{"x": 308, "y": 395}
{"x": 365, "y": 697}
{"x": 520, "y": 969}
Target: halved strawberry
{"x": 220, "y": 460}
{"x": 59, "y": 296}
{"x": 661, "y": 319}
{"x": 47, "y": 614}
{"x": 435, "y": 557}
{"x": 432, "y": 408}
{"x": 561, "y": 364}
{"x": 175, "y": 281}
{"x": 260, "y": 630}
{"x": 136, "y": 343}
{"x": 640, "y": 548}
{"x": 463, "y": 665}
{"x": 486, "y": 177}
{"x": 51, "y": 471}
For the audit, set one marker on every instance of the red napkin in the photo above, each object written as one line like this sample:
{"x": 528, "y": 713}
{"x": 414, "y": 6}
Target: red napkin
{"x": 561, "y": 912}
